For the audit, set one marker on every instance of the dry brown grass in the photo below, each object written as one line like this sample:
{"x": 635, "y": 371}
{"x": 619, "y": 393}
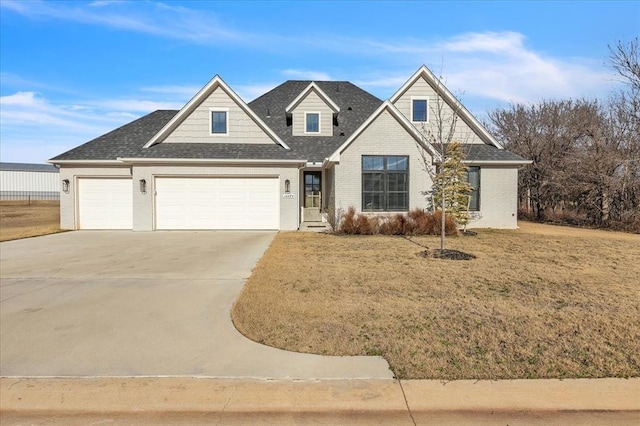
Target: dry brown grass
{"x": 540, "y": 302}
{"x": 18, "y": 219}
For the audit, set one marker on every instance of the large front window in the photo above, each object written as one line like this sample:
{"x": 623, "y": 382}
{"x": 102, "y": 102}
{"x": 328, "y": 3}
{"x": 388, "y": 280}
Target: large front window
{"x": 385, "y": 183}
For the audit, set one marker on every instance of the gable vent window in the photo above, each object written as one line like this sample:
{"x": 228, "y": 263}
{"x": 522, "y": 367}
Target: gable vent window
{"x": 419, "y": 110}
{"x": 312, "y": 122}
{"x": 219, "y": 124}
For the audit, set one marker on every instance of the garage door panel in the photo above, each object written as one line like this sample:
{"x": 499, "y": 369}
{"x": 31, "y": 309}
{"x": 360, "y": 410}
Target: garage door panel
{"x": 217, "y": 203}
{"x": 105, "y": 203}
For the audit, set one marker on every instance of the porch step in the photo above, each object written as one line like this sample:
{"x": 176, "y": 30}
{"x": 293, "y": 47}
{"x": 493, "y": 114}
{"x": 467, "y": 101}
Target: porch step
{"x": 314, "y": 227}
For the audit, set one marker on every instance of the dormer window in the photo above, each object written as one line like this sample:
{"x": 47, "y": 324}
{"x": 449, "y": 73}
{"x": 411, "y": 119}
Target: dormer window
{"x": 312, "y": 122}
{"x": 219, "y": 117}
{"x": 419, "y": 112}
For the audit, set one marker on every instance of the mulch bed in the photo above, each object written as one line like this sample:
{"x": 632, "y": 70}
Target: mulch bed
{"x": 446, "y": 254}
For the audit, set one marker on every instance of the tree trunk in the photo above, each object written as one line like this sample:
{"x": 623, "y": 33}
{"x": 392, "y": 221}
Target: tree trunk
{"x": 606, "y": 207}
{"x": 443, "y": 220}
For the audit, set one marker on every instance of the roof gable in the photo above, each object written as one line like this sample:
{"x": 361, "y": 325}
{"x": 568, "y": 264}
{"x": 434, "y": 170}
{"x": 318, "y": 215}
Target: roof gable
{"x": 215, "y": 84}
{"x": 438, "y": 86}
{"x": 313, "y": 87}
{"x": 356, "y": 105}
{"x": 402, "y": 120}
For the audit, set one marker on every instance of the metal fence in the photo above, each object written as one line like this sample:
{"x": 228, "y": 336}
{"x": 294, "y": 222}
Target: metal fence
{"x": 29, "y": 196}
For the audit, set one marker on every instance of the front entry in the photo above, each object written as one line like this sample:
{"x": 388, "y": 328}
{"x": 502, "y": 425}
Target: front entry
{"x": 312, "y": 196}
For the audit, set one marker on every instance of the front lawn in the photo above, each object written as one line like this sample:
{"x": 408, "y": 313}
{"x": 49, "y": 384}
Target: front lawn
{"x": 540, "y": 302}
{"x": 22, "y": 219}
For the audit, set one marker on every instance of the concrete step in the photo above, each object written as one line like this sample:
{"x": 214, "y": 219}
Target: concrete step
{"x": 314, "y": 227}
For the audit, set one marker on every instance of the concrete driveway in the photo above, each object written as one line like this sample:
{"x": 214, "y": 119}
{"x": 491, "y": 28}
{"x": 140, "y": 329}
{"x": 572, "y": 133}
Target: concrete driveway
{"x": 121, "y": 303}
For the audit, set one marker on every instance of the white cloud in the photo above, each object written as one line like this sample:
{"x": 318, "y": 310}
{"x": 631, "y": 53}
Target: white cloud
{"x": 183, "y": 92}
{"x": 249, "y": 92}
{"x": 155, "y": 18}
{"x": 133, "y": 105}
{"x": 103, "y": 3}
{"x": 497, "y": 66}
{"x": 306, "y": 74}
{"x": 33, "y": 128}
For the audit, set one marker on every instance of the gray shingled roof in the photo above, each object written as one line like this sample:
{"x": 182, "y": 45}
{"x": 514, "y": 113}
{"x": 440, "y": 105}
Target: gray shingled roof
{"x": 484, "y": 152}
{"x": 355, "y": 104}
{"x": 28, "y": 167}
{"x": 128, "y": 141}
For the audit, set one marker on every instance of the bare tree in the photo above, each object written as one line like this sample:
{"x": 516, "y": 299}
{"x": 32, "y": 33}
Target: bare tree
{"x": 625, "y": 59}
{"x": 585, "y": 159}
{"x": 440, "y": 132}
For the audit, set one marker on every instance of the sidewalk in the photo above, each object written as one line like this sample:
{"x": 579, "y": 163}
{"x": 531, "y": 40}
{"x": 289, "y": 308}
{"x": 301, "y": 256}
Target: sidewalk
{"x": 182, "y": 400}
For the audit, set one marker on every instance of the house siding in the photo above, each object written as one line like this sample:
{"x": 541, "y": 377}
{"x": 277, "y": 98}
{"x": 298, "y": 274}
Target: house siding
{"x": 421, "y": 88}
{"x": 312, "y": 103}
{"x": 498, "y": 198}
{"x": 69, "y": 201}
{"x": 384, "y": 136}
{"x": 144, "y": 204}
{"x": 240, "y": 126}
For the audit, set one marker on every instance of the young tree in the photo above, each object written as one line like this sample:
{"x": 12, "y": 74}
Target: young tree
{"x": 440, "y": 133}
{"x": 451, "y": 190}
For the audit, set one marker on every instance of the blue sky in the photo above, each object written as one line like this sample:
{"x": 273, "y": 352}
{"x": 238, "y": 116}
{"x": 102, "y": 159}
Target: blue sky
{"x": 71, "y": 71}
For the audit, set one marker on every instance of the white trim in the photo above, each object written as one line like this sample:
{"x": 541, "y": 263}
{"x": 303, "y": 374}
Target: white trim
{"x": 226, "y": 126}
{"x": 198, "y": 99}
{"x": 450, "y": 99}
{"x": 404, "y": 121}
{"x": 497, "y": 162}
{"x": 313, "y": 86}
{"x": 92, "y": 162}
{"x": 207, "y": 161}
{"x": 319, "y": 122}
{"x": 419, "y": 98}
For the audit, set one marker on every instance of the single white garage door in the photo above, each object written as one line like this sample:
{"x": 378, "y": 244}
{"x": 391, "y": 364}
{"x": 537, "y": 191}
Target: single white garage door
{"x": 217, "y": 203}
{"x": 105, "y": 203}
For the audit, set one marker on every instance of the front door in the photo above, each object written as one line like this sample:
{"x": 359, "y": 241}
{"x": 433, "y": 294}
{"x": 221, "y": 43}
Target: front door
{"x": 312, "y": 196}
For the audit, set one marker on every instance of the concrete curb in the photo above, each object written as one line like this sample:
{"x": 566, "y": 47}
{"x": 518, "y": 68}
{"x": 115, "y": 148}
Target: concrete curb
{"x": 369, "y": 398}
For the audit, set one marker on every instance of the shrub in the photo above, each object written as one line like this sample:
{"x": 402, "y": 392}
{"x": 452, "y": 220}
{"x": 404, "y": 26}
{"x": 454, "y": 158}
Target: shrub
{"x": 348, "y": 223}
{"x": 415, "y": 222}
{"x": 366, "y": 225}
{"x": 392, "y": 225}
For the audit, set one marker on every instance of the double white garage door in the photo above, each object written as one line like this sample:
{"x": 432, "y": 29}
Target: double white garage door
{"x": 183, "y": 203}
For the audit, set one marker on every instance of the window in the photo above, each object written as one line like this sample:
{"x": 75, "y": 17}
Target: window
{"x": 473, "y": 176}
{"x": 419, "y": 110}
{"x": 385, "y": 183}
{"x": 312, "y": 122}
{"x": 218, "y": 122}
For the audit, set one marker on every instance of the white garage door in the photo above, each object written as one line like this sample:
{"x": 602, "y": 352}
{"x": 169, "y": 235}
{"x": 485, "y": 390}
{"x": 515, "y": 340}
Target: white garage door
{"x": 217, "y": 203}
{"x": 105, "y": 203}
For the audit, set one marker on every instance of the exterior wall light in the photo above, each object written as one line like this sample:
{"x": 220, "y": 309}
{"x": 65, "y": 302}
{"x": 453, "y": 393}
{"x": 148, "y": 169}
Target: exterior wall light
{"x": 143, "y": 186}
{"x": 287, "y": 186}
{"x": 65, "y": 186}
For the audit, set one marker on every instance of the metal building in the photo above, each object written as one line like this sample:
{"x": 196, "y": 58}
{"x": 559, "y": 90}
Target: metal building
{"x": 21, "y": 181}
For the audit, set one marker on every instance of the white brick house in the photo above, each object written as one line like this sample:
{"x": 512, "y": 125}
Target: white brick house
{"x": 292, "y": 155}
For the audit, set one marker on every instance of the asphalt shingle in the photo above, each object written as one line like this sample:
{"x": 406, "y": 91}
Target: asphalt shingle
{"x": 356, "y": 105}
